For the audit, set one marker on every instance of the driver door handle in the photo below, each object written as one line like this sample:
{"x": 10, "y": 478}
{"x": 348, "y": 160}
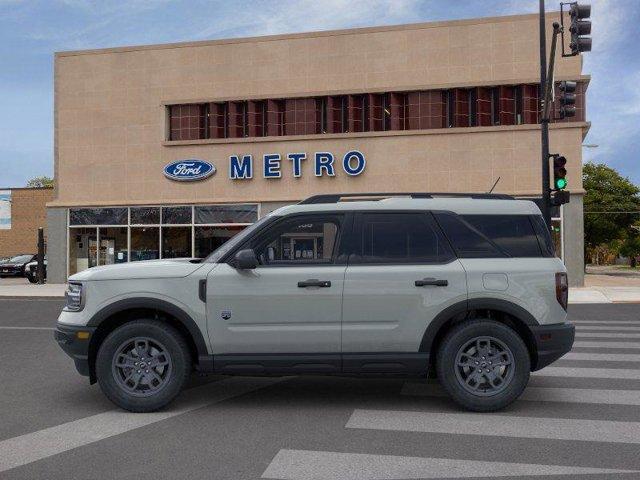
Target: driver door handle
{"x": 314, "y": 283}
{"x": 431, "y": 281}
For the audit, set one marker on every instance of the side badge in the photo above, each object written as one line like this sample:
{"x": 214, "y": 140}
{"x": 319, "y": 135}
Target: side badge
{"x": 225, "y": 314}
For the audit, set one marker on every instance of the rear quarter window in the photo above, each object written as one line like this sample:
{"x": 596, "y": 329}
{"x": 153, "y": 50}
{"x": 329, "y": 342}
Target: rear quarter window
{"x": 514, "y": 234}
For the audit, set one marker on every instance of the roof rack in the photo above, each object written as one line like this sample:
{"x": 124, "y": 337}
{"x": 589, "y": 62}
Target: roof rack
{"x": 336, "y": 197}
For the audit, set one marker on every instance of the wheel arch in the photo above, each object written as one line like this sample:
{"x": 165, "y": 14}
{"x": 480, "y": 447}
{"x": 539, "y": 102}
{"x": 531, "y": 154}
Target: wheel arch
{"x": 126, "y": 310}
{"x": 502, "y": 311}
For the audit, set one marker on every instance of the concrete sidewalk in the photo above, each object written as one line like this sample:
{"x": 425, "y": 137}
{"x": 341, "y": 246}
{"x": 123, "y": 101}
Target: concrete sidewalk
{"x": 31, "y": 290}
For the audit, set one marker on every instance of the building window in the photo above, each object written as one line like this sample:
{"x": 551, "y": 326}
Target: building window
{"x": 364, "y": 112}
{"x": 426, "y": 110}
{"x": 275, "y": 118}
{"x": 103, "y": 236}
{"x": 98, "y": 216}
{"x": 530, "y": 104}
{"x": 301, "y": 116}
{"x": 217, "y": 116}
{"x": 187, "y": 122}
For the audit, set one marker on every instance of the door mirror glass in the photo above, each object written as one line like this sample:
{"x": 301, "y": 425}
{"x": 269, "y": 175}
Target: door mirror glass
{"x": 245, "y": 259}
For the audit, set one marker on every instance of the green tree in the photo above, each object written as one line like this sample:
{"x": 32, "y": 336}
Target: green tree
{"x": 631, "y": 245}
{"x": 609, "y": 203}
{"x": 40, "y": 182}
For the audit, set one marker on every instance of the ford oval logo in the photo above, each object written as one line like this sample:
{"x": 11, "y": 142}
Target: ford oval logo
{"x": 187, "y": 170}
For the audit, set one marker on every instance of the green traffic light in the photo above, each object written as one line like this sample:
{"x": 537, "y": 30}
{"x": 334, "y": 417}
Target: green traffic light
{"x": 561, "y": 183}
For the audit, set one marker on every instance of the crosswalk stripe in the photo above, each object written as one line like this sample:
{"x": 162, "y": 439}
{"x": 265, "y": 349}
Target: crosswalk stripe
{"x": 607, "y": 322}
{"x": 497, "y": 425}
{"x": 603, "y": 357}
{"x": 31, "y": 447}
{"x": 581, "y": 343}
{"x": 579, "y": 372}
{"x": 318, "y": 465}
{"x": 541, "y": 394}
{"x": 589, "y": 328}
{"x": 606, "y": 335}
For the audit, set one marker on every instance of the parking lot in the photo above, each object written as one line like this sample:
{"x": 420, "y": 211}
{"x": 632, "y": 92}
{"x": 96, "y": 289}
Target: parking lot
{"x": 580, "y": 416}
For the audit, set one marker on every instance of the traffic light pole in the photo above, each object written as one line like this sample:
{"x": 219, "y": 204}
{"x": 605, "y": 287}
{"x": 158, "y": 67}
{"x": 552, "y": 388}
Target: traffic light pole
{"x": 544, "y": 121}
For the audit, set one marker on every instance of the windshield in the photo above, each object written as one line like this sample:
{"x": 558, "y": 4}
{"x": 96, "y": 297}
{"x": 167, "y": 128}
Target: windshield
{"x": 230, "y": 244}
{"x": 21, "y": 258}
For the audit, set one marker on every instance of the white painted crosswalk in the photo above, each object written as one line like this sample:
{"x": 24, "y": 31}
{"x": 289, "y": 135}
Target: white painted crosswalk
{"x": 603, "y": 357}
{"x": 305, "y": 464}
{"x": 580, "y": 328}
{"x": 606, "y": 335}
{"x": 585, "y": 372}
{"x": 497, "y": 425}
{"x": 542, "y": 394}
{"x": 581, "y": 343}
{"x": 606, "y": 322}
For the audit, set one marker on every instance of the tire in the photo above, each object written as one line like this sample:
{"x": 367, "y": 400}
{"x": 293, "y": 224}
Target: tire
{"x": 495, "y": 387}
{"x": 32, "y": 279}
{"x": 151, "y": 387}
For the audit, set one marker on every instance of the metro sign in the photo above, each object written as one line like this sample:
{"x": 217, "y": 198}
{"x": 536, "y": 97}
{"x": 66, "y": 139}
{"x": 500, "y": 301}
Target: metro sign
{"x": 324, "y": 164}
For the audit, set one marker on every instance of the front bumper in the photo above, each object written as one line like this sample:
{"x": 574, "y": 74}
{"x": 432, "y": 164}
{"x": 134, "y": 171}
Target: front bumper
{"x": 75, "y": 343}
{"x": 552, "y": 342}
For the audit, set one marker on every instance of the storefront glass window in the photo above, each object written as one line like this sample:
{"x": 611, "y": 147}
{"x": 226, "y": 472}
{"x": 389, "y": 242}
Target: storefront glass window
{"x": 145, "y": 216}
{"x": 145, "y": 243}
{"x": 176, "y": 215}
{"x": 210, "y": 238}
{"x": 83, "y": 249}
{"x": 98, "y": 216}
{"x": 226, "y": 214}
{"x": 113, "y": 245}
{"x": 176, "y": 242}
{"x": 129, "y": 234}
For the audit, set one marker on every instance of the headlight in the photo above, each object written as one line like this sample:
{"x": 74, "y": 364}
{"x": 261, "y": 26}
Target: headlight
{"x": 74, "y": 297}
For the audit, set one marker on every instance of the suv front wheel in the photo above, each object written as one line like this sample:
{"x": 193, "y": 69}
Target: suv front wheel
{"x": 483, "y": 365}
{"x": 142, "y": 365}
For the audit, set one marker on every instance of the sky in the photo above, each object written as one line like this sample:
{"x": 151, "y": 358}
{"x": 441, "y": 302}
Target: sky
{"x": 31, "y": 30}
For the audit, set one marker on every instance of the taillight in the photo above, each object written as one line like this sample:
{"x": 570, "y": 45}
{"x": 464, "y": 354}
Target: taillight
{"x": 562, "y": 289}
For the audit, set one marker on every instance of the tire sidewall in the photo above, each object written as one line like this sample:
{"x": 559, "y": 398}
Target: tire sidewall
{"x": 169, "y": 338}
{"x": 462, "y": 334}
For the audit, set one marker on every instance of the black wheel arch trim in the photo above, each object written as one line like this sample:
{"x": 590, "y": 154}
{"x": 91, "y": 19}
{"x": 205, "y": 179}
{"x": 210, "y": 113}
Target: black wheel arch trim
{"x": 154, "y": 304}
{"x": 466, "y": 306}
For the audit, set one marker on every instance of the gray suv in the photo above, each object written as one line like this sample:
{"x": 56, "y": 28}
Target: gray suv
{"x": 464, "y": 286}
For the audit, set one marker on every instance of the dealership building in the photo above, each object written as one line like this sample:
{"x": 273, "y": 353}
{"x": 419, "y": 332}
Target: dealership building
{"x": 166, "y": 151}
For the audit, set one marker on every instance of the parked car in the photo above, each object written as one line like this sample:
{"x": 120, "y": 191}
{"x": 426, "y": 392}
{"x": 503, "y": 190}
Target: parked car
{"x": 467, "y": 286}
{"x": 31, "y": 270}
{"x": 14, "y": 267}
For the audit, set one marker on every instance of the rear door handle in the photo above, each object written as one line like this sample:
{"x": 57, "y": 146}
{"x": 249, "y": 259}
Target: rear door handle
{"x": 431, "y": 281}
{"x": 314, "y": 283}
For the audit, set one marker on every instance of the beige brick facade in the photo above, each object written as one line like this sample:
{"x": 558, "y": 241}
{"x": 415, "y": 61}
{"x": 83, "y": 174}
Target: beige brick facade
{"x": 28, "y": 212}
{"x": 111, "y": 114}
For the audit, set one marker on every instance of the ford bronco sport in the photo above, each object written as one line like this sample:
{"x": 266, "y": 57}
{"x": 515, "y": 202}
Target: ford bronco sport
{"x": 466, "y": 286}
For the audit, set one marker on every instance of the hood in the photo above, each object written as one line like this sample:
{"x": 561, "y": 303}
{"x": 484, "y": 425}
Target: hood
{"x": 174, "y": 268}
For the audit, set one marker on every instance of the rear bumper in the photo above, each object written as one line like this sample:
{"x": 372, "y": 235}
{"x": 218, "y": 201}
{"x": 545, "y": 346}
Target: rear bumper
{"x": 552, "y": 342}
{"x": 76, "y": 348}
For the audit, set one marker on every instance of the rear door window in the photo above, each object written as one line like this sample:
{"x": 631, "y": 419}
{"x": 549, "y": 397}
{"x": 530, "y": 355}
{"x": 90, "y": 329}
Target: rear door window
{"x": 393, "y": 238}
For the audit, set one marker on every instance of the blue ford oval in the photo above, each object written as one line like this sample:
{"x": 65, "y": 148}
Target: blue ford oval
{"x": 188, "y": 170}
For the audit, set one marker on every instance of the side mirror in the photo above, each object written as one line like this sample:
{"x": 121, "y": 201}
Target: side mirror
{"x": 246, "y": 259}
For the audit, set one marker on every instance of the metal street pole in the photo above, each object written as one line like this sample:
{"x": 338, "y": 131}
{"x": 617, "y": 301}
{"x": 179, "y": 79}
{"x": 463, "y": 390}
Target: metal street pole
{"x": 544, "y": 121}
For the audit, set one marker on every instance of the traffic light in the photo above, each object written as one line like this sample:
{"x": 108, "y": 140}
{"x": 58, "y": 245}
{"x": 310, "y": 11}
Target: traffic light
{"x": 580, "y": 27}
{"x": 567, "y": 98}
{"x": 559, "y": 172}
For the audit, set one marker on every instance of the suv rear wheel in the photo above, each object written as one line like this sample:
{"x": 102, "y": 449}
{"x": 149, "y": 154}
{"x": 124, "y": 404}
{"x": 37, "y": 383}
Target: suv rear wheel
{"x": 483, "y": 364}
{"x": 143, "y": 365}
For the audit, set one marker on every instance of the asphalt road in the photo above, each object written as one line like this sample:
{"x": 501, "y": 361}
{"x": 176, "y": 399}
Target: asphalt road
{"x": 579, "y": 417}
